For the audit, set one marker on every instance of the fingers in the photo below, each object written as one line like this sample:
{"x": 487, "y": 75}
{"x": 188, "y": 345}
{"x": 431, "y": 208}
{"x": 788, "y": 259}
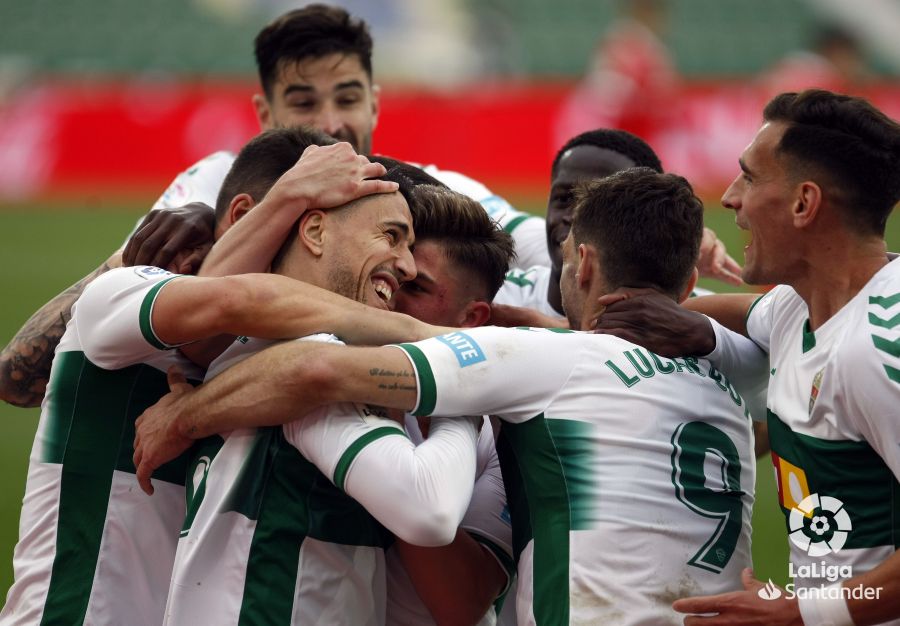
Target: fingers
{"x": 152, "y": 249}
{"x": 747, "y": 578}
{"x": 369, "y": 187}
{"x": 143, "y": 473}
{"x": 701, "y": 604}
{"x": 134, "y": 243}
{"x": 132, "y": 255}
{"x": 175, "y": 377}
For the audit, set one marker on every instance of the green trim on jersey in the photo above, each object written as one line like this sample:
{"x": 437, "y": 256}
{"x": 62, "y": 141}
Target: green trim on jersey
{"x": 90, "y": 432}
{"x": 506, "y": 562}
{"x": 750, "y": 310}
{"x": 290, "y": 500}
{"x": 503, "y": 557}
{"x": 888, "y": 346}
{"x": 201, "y": 455}
{"x": 145, "y": 314}
{"x": 809, "y": 337}
{"x": 349, "y": 455}
{"x": 549, "y": 472}
{"x": 427, "y": 385}
{"x": 850, "y": 471}
{"x": 515, "y": 223}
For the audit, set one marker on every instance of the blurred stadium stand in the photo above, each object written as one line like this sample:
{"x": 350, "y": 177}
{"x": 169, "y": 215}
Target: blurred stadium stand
{"x": 518, "y": 37}
{"x": 99, "y": 97}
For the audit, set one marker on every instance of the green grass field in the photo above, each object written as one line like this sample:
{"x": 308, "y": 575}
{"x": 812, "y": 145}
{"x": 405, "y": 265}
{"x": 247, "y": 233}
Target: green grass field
{"x": 43, "y": 250}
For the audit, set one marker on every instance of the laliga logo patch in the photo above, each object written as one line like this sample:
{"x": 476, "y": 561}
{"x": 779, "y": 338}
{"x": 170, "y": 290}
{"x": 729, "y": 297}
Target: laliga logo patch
{"x": 465, "y": 349}
{"x": 819, "y": 525}
{"x": 495, "y": 206}
{"x": 148, "y": 271}
{"x": 769, "y": 592}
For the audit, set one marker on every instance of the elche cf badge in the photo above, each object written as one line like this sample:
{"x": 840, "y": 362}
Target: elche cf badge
{"x": 816, "y": 385}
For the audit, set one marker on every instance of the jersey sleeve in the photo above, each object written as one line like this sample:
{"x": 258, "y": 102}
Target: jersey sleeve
{"x": 761, "y": 315}
{"x": 512, "y": 373}
{"x": 113, "y": 317}
{"x": 871, "y": 381}
{"x": 419, "y": 493}
{"x": 487, "y": 519}
{"x": 200, "y": 182}
{"x": 745, "y": 364}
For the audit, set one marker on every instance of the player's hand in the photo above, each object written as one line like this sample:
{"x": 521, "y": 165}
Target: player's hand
{"x": 157, "y": 437}
{"x": 741, "y": 608}
{"x": 714, "y": 261}
{"x": 509, "y": 316}
{"x": 329, "y": 176}
{"x": 165, "y": 233}
{"x": 654, "y": 321}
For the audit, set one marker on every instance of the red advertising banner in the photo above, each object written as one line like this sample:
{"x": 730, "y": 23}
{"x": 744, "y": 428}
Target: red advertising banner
{"x": 66, "y": 139}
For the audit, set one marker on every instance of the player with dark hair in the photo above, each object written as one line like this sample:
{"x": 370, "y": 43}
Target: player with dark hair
{"x": 816, "y": 187}
{"x": 609, "y": 452}
{"x": 591, "y": 155}
{"x": 91, "y": 549}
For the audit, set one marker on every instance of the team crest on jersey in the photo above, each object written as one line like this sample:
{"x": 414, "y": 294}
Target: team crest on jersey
{"x": 465, "y": 349}
{"x": 147, "y": 271}
{"x": 816, "y": 385}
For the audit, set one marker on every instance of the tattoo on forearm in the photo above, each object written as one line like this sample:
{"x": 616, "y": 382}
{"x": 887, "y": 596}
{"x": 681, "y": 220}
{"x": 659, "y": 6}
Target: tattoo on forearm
{"x": 391, "y": 381}
{"x": 25, "y": 361}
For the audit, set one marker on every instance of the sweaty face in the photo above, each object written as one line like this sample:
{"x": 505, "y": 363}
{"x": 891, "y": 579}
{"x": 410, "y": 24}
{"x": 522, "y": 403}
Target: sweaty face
{"x": 332, "y": 93}
{"x": 762, "y": 197}
{"x": 438, "y": 293}
{"x": 581, "y": 163}
{"x": 368, "y": 249}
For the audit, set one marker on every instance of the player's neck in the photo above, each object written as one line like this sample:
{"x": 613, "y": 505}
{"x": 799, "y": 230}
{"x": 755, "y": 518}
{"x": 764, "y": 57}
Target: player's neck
{"x": 835, "y": 273}
{"x": 554, "y": 295}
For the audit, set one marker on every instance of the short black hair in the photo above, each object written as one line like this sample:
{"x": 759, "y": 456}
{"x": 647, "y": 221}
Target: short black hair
{"x": 263, "y": 160}
{"x": 645, "y": 225}
{"x": 846, "y": 145}
{"x": 470, "y": 239}
{"x": 620, "y": 141}
{"x": 311, "y": 32}
{"x": 416, "y": 175}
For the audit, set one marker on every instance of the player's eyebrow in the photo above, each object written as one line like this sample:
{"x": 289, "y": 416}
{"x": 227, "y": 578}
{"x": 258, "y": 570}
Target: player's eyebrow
{"x": 298, "y": 87}
{"x": 349, "y": 84}
{"x": 303, "y": 88}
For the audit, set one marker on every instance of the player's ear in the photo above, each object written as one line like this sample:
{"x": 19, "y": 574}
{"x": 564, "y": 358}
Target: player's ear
{"x": 239, "y": 206}
{"x": 587, "y": 261}
{"x": 263, "y": 111}
{"x": 689, "y": 289}
{"x": 807, "y": 204}
{"x": 476, "y": 313}
{"x": 311, "y": 231}
{"x": 376, "y": 104}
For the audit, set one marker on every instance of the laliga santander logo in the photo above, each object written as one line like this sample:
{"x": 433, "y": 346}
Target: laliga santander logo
{"x": 819, "y": 525}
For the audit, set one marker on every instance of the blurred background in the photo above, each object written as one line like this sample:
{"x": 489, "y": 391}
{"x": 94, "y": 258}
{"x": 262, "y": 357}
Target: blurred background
{"x": 103, "y": 102}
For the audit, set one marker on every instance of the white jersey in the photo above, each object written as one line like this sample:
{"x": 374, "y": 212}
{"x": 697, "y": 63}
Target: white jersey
{"x": 527, "y": 288}
{"x": 630, "y": 477}
{"x": 834, "y": 424}
{"x": 93, "y": 548}
{"x": 201, "y": 183}
{"x": 276, "y": 536}
{"x": 486, "y": 520}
